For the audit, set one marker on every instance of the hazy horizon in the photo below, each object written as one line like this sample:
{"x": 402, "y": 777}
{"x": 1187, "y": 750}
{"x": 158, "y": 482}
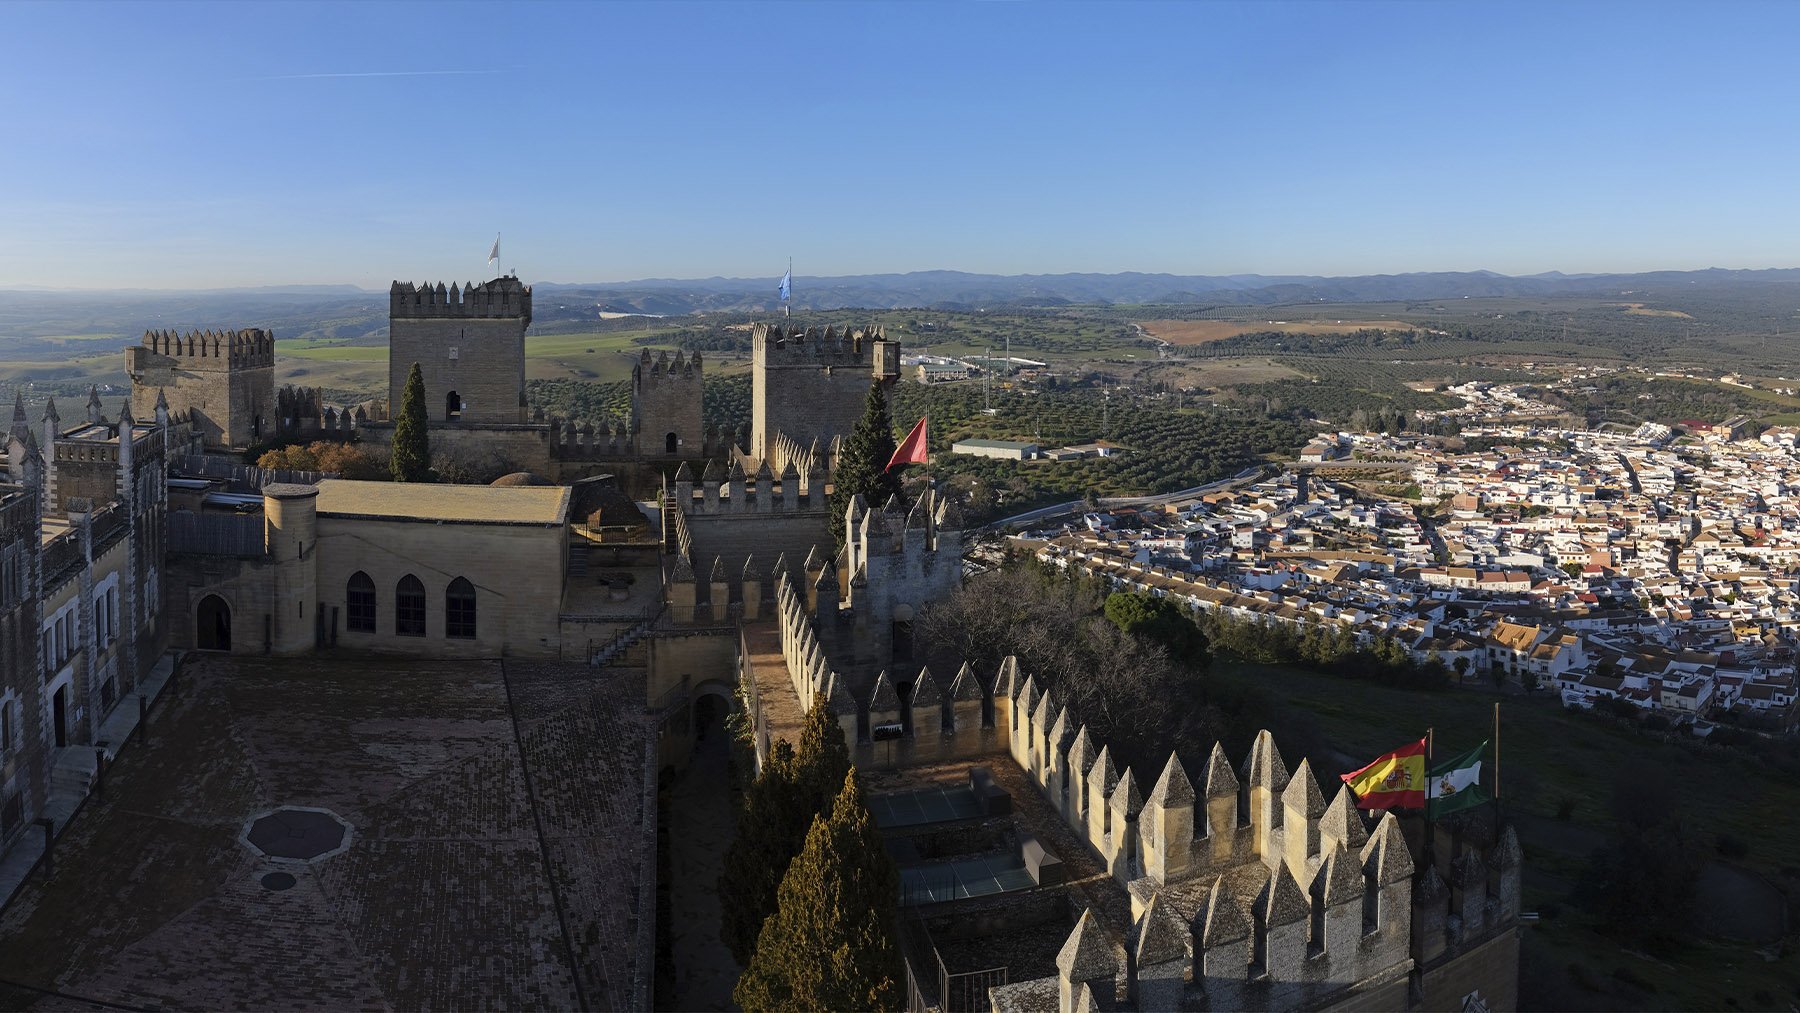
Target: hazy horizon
{"x": 182, "y": 147}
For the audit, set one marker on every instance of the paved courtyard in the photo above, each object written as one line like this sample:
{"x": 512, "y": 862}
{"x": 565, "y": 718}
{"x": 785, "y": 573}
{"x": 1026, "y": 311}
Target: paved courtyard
{"x": 485, "y": 865}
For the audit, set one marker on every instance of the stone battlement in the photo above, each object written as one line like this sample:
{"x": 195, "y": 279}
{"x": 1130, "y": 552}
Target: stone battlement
{"x": 502, "y": 297}
{"x": 250, "y": 346}
{"x": 778, "y": 344}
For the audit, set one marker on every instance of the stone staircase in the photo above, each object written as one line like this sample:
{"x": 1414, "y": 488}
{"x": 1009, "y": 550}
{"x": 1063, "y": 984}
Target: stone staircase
{"x": 72, "y": 770}
{"x": 620, "y": 644}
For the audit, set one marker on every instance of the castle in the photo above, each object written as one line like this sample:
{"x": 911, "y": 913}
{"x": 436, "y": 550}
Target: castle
{"x": 720, "y": 586}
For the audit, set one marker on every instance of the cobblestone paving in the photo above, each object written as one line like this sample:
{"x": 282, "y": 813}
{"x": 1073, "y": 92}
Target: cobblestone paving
{"x": 442, "y": 900}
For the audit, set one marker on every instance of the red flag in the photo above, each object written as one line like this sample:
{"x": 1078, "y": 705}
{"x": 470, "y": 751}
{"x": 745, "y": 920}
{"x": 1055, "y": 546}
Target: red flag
{"x": 911, "y": 449}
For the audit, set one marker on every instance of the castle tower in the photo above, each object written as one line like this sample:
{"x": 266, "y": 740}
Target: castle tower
{"x": 225, "y": 379}
{"x": 292, "y": 544}
{"x": 470, "y": 347}
{"x": 811, "y": 385}
{"x": 665, "y": 406}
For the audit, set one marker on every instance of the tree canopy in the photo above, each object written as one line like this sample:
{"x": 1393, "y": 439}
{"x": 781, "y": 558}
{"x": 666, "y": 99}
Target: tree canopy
{"x": 830, "y": 944}
{"x": 794, "y": 787}
{"x": 862, "y": 464}
{"x": 411, "y": 458}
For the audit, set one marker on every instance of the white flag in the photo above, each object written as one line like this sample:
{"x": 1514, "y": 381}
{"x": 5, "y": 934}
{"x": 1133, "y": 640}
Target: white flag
{"x": 494, "y": 254}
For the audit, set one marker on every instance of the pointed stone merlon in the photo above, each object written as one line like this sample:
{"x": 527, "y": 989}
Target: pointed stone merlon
{"x": 927, "y": 708}
{"x": 1103, "y": 780}
{"x": 1127, "y": 804}
{"x": 1268, "y": 778}
{"x": 1302, "y": 805}
{"x": 1507, "y": 861}
{"x": 1223, "y": 931}
{"x": 1086, "y": 958}
{"x": 1387, "y": 869}
{"x": 1221, "y": 807}
{"x": 1337, "y": 893}
{"x": 843, "y": 707}
{"x": 1285, "y": 917}
{"x": 884, "y": 704}
{"x": 965, "y": 702}
{"x": 720, "y": 589}
{"x": 1167, "y": 825}
{"x": 1159, "y": 957}
{"x": 752, "y": 583}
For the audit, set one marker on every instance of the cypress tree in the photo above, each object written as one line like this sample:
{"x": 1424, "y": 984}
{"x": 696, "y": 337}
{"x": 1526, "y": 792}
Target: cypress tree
{"x": 794, "y": 788}
{"x": 861, "y": 464}
{"x": 411, "y": 460}
{"x": 830, "y": 944}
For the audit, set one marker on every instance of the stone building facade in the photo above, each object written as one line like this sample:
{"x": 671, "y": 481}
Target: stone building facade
{"x": 428, "y": 571}
{"x": 811, "y": 385}
{"x": 224, "y": 380}
{"x": 470, "y": 347}
{"x": 82, "y": 534}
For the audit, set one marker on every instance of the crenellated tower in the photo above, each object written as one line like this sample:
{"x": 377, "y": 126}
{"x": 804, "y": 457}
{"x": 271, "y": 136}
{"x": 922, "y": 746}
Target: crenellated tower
{"x": 224, "y": 379}
{"x": 469, "y": 343}
{"x": 665, "y": 405}
{"x": 811, "y": 384}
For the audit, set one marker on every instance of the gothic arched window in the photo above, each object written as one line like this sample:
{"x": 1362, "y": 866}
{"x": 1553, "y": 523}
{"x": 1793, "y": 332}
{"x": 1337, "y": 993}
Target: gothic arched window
{"x": 409, "y": 607}
{"x": 459, "y": 609}
{"x": 359, "y": 603}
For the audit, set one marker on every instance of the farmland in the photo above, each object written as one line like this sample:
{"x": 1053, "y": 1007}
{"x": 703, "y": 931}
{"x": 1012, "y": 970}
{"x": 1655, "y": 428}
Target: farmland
{"x": 1199, "y": 332}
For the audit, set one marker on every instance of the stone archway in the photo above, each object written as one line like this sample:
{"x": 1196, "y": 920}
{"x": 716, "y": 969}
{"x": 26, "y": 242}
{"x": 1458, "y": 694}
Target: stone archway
{"x": 713, "y": 702}
{"x": 212, "y": 624}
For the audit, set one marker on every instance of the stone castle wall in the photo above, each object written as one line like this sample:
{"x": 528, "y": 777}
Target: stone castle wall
{"x": 225, "y": 379}
{"x": 470, "y": 342}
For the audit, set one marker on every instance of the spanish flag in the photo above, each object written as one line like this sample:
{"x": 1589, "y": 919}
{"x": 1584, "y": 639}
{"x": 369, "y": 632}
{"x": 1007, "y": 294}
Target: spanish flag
{"x": 1396, "y": 780}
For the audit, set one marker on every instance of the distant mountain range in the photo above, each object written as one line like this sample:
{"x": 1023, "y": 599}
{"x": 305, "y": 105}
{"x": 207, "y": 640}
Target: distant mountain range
{"x": 348, "y": 312}
{"x": 961, "y": 290}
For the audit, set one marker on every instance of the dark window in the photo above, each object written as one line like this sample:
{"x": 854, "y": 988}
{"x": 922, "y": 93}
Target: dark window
{"x": 359, "y": 603}
{"x": 459, "y": 609}
{"x": 671, "y": 444}
{"x": 12, "y": 814}
{"x": 409, "y": 607}
{"x": 452, "y": 406}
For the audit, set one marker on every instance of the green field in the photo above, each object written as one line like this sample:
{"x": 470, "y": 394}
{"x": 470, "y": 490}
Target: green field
{"x": 1550, "y": 755}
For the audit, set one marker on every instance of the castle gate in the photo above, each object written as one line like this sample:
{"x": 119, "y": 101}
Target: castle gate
{"x": 212, "y": 624}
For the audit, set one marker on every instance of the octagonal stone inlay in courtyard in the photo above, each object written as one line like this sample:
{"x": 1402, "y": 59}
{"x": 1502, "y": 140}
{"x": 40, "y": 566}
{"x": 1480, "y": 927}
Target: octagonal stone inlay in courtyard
{"x": 297, "y": 833}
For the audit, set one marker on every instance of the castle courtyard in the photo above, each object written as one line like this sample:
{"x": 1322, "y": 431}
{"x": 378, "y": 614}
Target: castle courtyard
{"x": 484, "y": 835}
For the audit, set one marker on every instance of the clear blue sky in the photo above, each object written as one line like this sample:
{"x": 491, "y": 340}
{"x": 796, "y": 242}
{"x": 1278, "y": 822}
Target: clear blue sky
{"x": 220, "y": 145}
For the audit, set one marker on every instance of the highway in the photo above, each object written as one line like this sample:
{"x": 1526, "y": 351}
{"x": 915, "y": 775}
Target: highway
{"x": 1080, "y": 506}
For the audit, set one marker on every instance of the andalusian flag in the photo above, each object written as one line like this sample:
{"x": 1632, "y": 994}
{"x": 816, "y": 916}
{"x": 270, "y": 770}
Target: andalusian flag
{"x": 1456, "y": 784}
{"x": 1396, "y": 780}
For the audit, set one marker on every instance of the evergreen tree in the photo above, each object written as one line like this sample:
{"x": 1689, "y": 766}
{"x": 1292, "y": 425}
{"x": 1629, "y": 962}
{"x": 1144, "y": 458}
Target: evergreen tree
{"x": 861, "y": 464}
{"x": 411, "y": 460}
{"x": 830, "y": 944}
{"x": 794, "y": 788}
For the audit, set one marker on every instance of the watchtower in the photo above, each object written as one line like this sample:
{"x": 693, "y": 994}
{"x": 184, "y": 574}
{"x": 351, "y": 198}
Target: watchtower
{"x": 665, "y": 405}
{"x": 811, "y": 384}
{"x": 470, "y": 347}
{"x": 226, "y": 379}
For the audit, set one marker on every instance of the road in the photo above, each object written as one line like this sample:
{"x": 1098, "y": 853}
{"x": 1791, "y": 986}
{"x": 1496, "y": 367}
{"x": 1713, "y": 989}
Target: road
{"x": 1108, "y": 502}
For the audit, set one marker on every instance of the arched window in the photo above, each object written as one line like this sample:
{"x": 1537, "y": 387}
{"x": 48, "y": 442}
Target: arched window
{"x": 359, "y": 603}
{"x": 409, "y": 607}
{"x": 459, "y": 609}
{"x": 671, "y": 444}
{"x": 452, "y": 406}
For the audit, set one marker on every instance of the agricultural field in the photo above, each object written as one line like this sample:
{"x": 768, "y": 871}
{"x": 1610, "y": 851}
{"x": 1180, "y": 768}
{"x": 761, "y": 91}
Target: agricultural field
{"x": 1199, "y": 332}
{"x": 1558, "y": 774}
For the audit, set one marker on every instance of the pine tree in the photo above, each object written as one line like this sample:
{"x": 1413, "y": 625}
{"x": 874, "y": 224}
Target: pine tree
{"x": 795, "y": 787}
{"x": 411, "y": 460}
{"x": 830, "y": 944}
{"x": 861, "y": 466}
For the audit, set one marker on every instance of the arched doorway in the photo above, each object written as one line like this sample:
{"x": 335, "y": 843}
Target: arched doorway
{"x": 452, "y": 406}
{"x": 670, "y": 444}
{"x": 213, "y": 624}
{"x": 712, "y": 704}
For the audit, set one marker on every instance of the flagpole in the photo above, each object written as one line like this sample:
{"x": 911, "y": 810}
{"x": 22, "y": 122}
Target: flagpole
{"x": 1496, "y": 749}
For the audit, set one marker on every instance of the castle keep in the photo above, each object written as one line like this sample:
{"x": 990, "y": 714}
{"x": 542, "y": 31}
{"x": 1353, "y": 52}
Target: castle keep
{"x": 224, "y": 379}
{"x": 470, "y": 347}
{"x": 811, "y": 384}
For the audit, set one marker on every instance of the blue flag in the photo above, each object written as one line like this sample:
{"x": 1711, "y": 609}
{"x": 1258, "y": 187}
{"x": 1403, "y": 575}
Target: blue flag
{"x": 787, "y": 284}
